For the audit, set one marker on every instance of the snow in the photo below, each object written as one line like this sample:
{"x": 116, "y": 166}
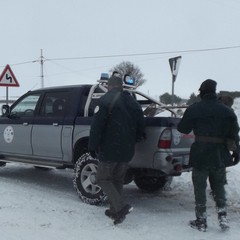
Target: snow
{"x": 37, "y": 205}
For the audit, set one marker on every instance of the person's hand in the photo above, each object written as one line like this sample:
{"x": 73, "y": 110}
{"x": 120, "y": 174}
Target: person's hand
{"x": 235, "y": 156}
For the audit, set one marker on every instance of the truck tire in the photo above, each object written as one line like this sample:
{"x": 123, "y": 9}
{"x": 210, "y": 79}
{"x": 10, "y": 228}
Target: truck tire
{"x": 150, "y": 184}
{"x": 85, "y": 180}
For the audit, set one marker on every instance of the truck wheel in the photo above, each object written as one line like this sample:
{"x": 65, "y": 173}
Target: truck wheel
{"x": 85, "y": 180}
{"x": 150, "y": 184}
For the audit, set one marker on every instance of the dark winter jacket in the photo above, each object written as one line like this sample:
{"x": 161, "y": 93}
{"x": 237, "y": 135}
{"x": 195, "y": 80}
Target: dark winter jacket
{"x": 117, "y": 124}
{"x": 210, "y": 118}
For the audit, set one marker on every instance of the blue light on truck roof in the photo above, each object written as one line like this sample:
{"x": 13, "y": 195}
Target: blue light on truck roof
{"x": 104, "y": 76}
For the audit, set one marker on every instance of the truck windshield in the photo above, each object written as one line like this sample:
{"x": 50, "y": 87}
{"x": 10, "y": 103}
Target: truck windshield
{"x": 26, "y": 106}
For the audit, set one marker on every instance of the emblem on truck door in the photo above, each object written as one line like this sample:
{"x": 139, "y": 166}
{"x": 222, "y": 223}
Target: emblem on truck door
{"x": 8, "y": 134}
{"x": 96, "y": 109}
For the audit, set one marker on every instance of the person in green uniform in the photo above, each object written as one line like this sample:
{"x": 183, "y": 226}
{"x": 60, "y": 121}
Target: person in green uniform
{"x": 216, "y": 146}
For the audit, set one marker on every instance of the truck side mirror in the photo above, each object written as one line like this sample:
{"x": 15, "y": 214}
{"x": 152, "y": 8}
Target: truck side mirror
{"x": 5, "y": 110}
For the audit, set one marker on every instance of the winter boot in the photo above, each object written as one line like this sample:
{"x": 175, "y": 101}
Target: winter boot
{"x": 121, "y": 215}
{"x": 109, "y": 213}
{"x": 199, "y": 224}
{"x": 222, "y": 219}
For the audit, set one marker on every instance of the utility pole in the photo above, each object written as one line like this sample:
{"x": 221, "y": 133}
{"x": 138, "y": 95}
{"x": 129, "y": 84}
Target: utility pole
{"x": 41, "y": 62}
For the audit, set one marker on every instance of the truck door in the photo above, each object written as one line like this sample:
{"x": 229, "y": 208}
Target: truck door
{"x": 16, "y": 128}
{"x": 48, "y": 126}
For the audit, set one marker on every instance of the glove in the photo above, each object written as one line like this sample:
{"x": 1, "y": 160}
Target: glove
{"x": 235, "y": 156}
{"x": 93, "y": 154}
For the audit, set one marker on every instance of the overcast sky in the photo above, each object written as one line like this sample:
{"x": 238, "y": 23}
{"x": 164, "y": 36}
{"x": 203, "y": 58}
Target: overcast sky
{"x": 91, "y": 28}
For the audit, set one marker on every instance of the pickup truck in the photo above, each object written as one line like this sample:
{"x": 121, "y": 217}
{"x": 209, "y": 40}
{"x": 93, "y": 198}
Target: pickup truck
{"x": 50, "y": 127}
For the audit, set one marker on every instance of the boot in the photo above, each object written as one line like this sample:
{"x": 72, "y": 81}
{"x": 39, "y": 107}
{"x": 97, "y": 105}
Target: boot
{"x": 222, "y": 219}
{"x": 121, "y": 215}
{"x": 199, "y": 224}
{"x": 109, "y": 213}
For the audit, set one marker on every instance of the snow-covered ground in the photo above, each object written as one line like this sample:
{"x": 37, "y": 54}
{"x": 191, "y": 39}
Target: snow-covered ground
{"x": 37, "y": 205}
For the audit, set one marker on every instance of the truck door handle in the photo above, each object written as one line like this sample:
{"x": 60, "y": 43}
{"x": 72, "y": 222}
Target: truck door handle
{"x": 55, "y": 124}
{"x": 25, "y": 124}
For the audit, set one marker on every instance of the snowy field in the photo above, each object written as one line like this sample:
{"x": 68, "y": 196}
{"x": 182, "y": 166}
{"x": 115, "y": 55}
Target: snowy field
{"x": 39, "y": 205}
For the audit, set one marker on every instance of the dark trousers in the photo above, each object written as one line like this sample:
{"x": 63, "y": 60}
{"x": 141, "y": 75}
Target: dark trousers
{"x": 217, "y": 178}
{"x": 110, "y": 177}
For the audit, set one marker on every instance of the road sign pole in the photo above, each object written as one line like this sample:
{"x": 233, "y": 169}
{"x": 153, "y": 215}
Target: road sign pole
{"x": 7, "y": 95}
{"x": 173, "y": 80}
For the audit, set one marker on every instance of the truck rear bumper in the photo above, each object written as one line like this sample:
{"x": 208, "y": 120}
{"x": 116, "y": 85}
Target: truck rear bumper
{"x": 171, "y": 164}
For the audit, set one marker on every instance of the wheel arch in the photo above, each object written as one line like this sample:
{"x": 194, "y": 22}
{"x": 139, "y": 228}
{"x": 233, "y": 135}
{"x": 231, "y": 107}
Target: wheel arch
{"x": 80, "y": 147}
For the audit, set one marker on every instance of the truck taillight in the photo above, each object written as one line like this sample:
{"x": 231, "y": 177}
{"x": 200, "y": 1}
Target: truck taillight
{"x": 165, "y": 139}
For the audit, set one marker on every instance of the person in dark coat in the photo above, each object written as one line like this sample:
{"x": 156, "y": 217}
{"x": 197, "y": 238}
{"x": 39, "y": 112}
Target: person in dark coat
{"x": 117, "y": 125}
{"x": 216, "y": 146}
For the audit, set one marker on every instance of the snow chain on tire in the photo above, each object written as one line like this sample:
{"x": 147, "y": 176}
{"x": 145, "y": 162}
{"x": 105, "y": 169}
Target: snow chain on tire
{"x": 84, "y": 180}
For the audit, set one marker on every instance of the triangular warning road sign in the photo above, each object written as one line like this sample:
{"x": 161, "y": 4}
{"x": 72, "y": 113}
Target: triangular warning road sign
{"x": 8, "y": 78}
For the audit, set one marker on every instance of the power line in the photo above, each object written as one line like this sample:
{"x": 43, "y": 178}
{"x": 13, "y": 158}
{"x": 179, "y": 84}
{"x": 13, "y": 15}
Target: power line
{"x": 129, "y": 55}
{"x": 144, "y": 54}
{"x": 15, "y": 64}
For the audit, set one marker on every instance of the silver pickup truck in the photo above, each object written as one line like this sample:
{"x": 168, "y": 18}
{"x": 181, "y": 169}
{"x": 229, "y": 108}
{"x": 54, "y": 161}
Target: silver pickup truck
{"x": 50, "y": 127}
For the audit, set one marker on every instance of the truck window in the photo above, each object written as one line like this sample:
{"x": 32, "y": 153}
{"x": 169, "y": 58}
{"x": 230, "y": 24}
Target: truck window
{"x": 55, "y": 104}
{"x": 94, "y": 101}
{"x": 26, "y": 106}
{"x": 89, "y": 102}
